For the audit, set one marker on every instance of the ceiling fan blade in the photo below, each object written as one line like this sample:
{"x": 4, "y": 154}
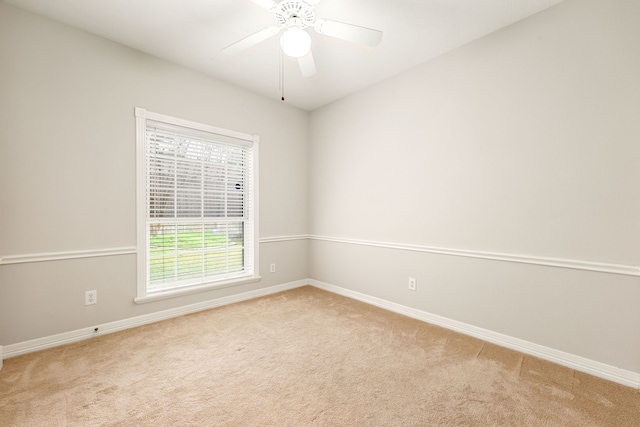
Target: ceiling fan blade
{"x": 311, "y": 3}
{"x": 349, "y": 32}
{"x": 270, "y": 5}
{"x": 251, "y": 40}
{"x": 307, "y": 65}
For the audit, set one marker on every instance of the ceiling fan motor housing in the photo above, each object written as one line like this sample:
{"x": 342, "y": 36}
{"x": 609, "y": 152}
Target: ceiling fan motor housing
{"x": 294, "y": 13}
{"x": 294, "y": 16}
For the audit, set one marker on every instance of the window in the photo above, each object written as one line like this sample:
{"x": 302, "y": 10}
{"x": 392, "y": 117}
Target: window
{"x": 197, "y": 206}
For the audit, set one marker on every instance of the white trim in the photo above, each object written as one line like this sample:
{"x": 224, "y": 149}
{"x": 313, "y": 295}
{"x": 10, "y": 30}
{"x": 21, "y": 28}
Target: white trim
{"x": 188, "y": 290}
{"x": 276, "y": 239}
{"x": 249, "y": 142}
{"x": 592, "y": 367}
{"x": 627, "y": 270}
{"x": 256, "y": 205}
{"x": 25, "y": 347}
{"x": 141, "y": 201}
{"x": 143, "y": 114}
{"x": 129, "y": 250}
{"x": 56, "y": 256}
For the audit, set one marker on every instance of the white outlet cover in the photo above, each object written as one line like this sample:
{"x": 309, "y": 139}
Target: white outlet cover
{"x": 90, "y": 297}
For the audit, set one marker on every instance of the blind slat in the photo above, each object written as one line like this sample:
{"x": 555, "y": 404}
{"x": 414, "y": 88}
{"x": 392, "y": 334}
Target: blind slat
{"x": 199, "y": 226}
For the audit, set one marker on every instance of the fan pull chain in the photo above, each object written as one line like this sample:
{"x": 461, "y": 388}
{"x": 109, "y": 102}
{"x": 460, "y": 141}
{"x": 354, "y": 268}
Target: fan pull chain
{"x": 281, "y": 75}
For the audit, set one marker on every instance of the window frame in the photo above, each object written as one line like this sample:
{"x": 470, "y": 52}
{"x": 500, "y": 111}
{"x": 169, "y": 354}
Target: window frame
{"x": 143, "y": 293}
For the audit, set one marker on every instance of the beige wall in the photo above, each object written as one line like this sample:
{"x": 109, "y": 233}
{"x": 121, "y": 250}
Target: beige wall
{"x": 525, "y": 142}
{"x": 67, "y": 171}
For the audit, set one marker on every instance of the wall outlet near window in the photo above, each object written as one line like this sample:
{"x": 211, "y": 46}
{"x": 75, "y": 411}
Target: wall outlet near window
{"x": 272, "y": 267}
{"x": 413, "y": 284}
{"x": 90, "y": 297}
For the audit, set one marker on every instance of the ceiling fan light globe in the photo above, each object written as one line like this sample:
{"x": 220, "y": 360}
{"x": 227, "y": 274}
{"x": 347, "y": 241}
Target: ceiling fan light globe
{"x": 295, "y": 42}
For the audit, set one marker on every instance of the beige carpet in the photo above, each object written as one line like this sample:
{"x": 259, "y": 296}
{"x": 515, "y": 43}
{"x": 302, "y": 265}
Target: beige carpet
{"x": 299, "y": 358}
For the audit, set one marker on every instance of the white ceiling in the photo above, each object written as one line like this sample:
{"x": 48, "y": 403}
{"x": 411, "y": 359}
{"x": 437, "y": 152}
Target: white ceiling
{"x": 193, "y": 32}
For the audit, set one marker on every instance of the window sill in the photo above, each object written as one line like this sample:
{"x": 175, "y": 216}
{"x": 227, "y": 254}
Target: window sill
{"x": 174, "y": 293}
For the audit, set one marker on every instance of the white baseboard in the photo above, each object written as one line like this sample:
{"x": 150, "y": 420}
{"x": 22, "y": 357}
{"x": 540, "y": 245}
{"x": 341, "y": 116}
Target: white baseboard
{"x": 598, "y": 369}
{"x": 592, "y": 367}
{"x": 25, "y": 347}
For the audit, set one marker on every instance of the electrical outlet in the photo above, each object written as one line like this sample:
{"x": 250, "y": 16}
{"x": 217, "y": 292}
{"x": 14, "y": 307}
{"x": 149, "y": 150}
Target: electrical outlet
{"x": 272, "y": 267}
{"x": 90, "y": 297}
{"x": 412, "y": 283}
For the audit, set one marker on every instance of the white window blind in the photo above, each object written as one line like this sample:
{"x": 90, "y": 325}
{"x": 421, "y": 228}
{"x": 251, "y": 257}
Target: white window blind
{"x": 199, "y": 213}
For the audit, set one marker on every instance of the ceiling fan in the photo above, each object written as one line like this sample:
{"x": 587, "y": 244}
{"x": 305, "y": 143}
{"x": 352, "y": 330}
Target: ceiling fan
{"x": 294, "y": 16}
